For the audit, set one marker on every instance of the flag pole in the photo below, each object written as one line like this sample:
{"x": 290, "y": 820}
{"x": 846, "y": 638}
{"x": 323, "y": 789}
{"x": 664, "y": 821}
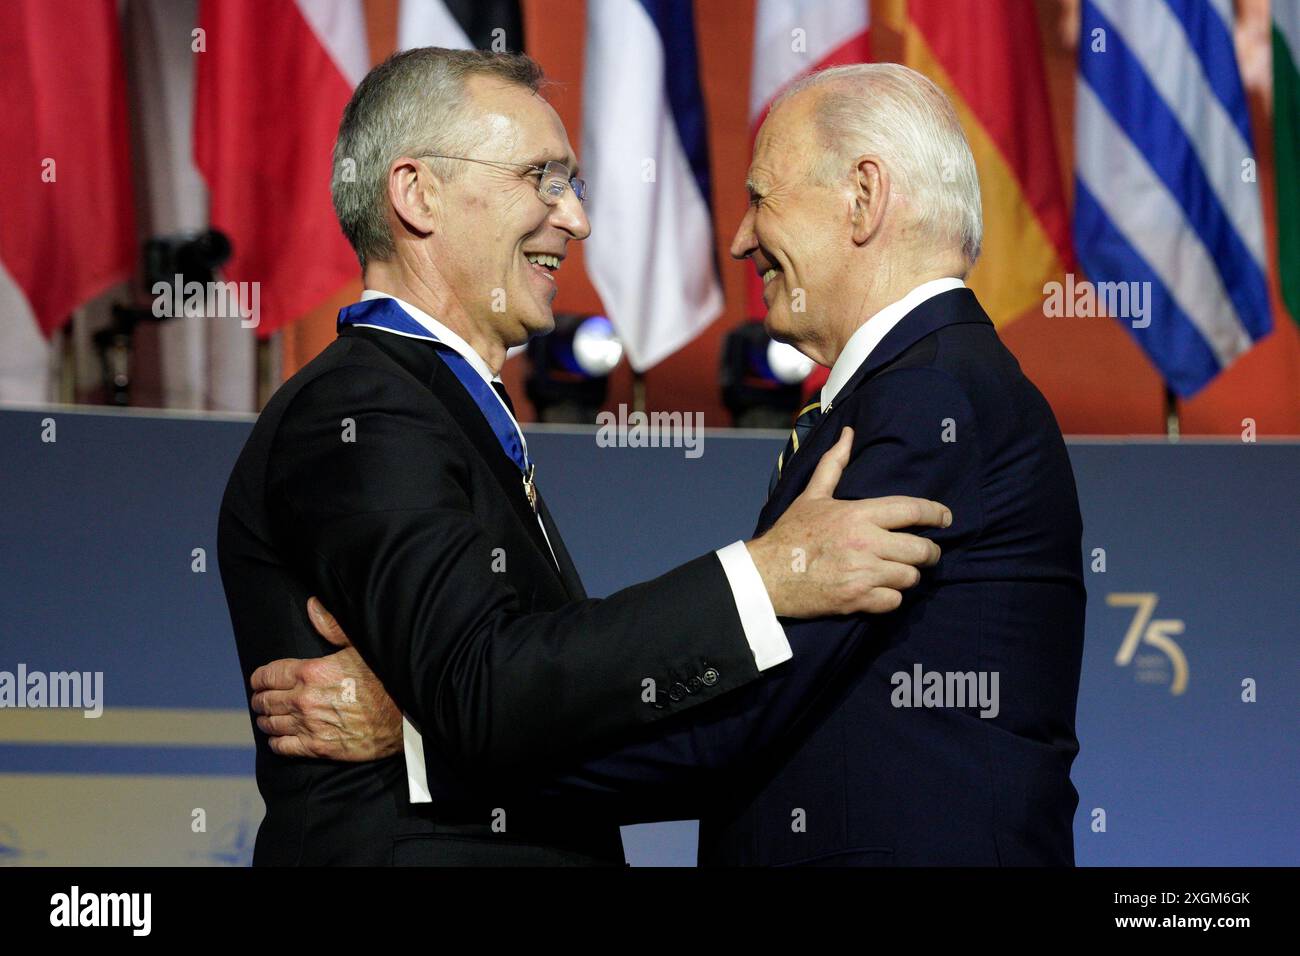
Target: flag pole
{"x": 638, "y": 391}
{"x": 1173, "y": 424}
{"x": 64, "y": 358}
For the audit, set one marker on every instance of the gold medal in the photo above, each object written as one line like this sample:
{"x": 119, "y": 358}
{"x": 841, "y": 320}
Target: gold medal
{"x": 530, "y": 489}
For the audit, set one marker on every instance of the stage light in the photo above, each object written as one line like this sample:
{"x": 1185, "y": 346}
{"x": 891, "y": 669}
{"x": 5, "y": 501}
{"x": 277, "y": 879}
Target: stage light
{"x": 761, "y": 378}
{"x": 788, "y": 364}
{"x": 569, "y": 378}
{"x": 596, "y": 348}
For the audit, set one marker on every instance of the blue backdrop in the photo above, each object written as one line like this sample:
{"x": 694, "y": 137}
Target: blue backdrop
{"x": 99, "y": 572}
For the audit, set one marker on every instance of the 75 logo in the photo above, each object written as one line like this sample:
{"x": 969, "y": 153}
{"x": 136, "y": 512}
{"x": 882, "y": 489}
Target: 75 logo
{"x": 1143, "y": 630}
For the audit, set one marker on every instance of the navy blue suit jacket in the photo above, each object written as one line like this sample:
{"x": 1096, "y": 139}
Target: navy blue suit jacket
{"x": 815, "y": 762}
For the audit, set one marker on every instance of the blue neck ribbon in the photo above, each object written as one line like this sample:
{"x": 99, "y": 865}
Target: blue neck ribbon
{"x": 387, "y": 314}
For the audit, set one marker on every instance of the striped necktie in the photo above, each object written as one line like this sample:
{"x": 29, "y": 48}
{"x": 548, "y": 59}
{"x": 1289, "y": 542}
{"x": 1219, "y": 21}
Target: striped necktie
{"x": 809, "y": 417}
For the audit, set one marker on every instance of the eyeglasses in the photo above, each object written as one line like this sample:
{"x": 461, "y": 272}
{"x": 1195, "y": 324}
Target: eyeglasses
{"x": 553, "y": 178}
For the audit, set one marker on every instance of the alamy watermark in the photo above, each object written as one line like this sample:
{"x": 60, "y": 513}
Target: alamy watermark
{"x": 73, "y": 690}
{"x": 1086, "y": 300}
{"x": 219, "y": 300}
{"x": 652, "y": 430}
{"x": 133, "y": 911}
{"x": 957, "y": 689}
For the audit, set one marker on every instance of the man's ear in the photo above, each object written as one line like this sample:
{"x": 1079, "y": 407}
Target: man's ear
{"x": 412, "y": 193}
{"x": 870, "y": 197}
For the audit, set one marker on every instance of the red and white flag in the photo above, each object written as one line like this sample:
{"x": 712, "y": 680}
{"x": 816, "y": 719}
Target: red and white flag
{"x": 67, "y": 231}
{"x": 273, "y": 79}
{"x": 793, "y": 38}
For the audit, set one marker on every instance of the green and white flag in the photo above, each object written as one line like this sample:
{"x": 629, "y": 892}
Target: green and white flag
{"x": 1286, "y": 146}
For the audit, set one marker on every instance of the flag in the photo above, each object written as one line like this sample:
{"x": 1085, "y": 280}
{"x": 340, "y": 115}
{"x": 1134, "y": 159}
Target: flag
{"x": 273, "y": 79}
{"x": 204, "y": 362}
{"x": 791, "y": 40}
{"x": 987, "y": 58}
{"x": 461, "y": 24}
{"x": 652, "y": 256}
{"x": 1165, "y": 192}
{"x": 1286, "y": 146}
{"x": 67, "y": 232}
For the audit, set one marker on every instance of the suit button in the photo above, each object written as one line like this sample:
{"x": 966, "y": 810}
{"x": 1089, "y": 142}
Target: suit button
{"x": 694, "y": 684}
{"x": 710, "y": 677}
{"x": 677, "y": 692}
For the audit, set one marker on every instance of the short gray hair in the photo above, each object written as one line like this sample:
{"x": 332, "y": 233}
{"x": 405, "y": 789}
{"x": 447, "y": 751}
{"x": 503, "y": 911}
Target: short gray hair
{"x": 894, "y": 112}
{"x": 412, "y": 104}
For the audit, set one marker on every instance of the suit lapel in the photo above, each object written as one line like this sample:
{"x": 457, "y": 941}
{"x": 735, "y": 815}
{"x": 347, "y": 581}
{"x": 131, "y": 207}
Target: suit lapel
{"x": 418, "y": 357}
{"x": 955, "y": 307}
{"x": 568, "y": 572}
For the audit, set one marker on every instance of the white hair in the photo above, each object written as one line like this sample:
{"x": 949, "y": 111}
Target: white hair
{"x": 890, "y": 111}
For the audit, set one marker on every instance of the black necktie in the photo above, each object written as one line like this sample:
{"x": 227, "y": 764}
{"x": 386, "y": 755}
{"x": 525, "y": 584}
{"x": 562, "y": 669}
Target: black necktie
{"x": 809, "y": 417}
{"x": 500, "y": 389}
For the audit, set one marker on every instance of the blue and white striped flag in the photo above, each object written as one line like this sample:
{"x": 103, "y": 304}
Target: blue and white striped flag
{"x": 645, "y": 154}
{"x": 1166, "y": 192}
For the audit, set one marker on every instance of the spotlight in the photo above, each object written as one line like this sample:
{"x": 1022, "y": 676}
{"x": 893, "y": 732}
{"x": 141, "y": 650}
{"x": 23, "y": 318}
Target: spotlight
{"x": 570, "y": 368}
{"x": 789, "y": 366}
{"x": 596, "y": 349}
{"x": 761, "y": 378}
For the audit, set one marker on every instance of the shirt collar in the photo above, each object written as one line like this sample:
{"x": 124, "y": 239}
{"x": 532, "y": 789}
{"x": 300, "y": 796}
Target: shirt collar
{"x": 864, "y": 341}
{"x": 454, "y": 341}
{"x": 441, "y": 332}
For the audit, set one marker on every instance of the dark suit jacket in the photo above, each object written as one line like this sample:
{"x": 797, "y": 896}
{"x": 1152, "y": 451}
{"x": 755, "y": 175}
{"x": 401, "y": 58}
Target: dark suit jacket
{"x": 814, "y": 763}
{"x": 417, "y": 535}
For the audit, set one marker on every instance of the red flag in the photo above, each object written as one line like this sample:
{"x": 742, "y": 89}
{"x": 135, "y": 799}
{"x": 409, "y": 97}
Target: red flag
{"x": 988, "y": 58}
{"x": 67, "y": 231}
{"x": 792, "y": 41}
{"x": 272, "y": 84}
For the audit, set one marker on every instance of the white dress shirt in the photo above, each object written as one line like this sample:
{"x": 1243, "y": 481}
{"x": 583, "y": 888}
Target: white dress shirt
{"x": 864, "y": 341}
{"x": 762, "y": 630}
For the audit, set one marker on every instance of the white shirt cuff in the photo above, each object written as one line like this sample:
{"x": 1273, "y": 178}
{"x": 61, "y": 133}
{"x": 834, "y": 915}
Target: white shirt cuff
{"x": 417, "y": 782}
{"x": 763, "y": 631}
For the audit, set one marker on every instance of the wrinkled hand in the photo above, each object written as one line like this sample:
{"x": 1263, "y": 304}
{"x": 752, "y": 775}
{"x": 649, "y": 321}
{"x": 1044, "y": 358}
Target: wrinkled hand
{"x": 826, "y": 556}
{"x": 332, "y": 707}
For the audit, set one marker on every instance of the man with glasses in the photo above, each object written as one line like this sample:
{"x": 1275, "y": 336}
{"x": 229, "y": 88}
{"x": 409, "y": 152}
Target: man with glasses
{"x": 391, "y": 478}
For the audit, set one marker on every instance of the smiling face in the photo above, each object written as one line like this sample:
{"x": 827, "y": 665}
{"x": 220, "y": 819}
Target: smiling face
{"x": 796, "y": 231}
{"x": 499, "y": 246}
